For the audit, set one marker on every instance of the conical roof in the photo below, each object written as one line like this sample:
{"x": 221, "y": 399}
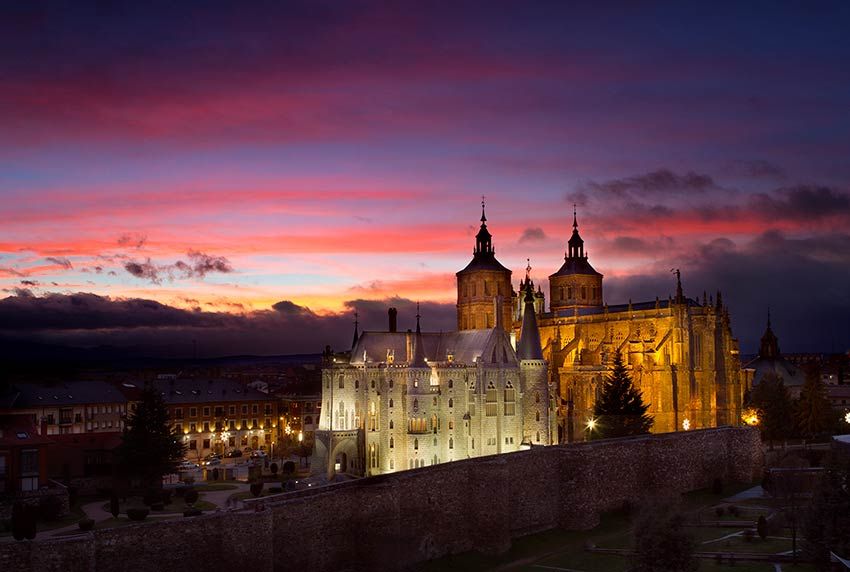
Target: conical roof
{"x": 529, "y": 347}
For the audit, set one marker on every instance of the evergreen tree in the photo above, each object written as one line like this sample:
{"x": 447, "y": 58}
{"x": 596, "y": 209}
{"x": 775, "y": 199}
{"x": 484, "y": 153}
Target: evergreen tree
{"x": 813, "y": 411}
{"x": 150, "y": 446}
{"x": 827, "y": 525}
{"x": 775, "y": 407}
{"x": 620, "y": 410}
{"x": 661, "y": 541}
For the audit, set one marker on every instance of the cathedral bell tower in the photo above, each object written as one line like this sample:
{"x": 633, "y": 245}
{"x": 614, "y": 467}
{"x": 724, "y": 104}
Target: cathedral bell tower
{"x": 484, "y": 292}
{"x": 576, "y": 284}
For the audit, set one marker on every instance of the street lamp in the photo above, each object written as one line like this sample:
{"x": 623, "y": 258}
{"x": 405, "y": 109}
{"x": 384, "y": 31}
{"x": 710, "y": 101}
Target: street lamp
{"x": 591, "y": 424}
{"x": 686, "y": 424}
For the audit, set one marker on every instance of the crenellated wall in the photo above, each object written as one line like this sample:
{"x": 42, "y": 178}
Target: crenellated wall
{"x": 393, "y": 522}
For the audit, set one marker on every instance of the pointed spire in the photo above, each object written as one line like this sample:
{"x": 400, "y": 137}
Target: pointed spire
{"x": 419, "y": 347}
{"x": 356, "y": 330}
{"x": 680, "y": 297}
{"x": 575, "y": 218}
{"x": 769, "y": 347}
{"x": 528, "y": 270}
{"x": 529, "y": 347}
{"x": 575, "y": 246}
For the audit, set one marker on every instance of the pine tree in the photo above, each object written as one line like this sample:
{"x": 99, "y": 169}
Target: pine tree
{"x": 150, "y": 446}
{"x": 813, "y": 411}
{"x": 620, "y": 410}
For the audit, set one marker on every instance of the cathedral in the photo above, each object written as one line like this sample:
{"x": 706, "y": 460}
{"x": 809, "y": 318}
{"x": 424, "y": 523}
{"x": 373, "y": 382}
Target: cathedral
{"x": 515, "y": 375}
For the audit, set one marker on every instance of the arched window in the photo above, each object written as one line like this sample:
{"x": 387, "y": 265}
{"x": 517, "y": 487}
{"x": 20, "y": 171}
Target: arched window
{"x": 416, "y": 444}
{"x": 416, "y": 405}
{"x": 356, "y": 384}
{"x": 451, "y": 443}
{"x": 392, "y": 443}
{"x": 451, "y": 402}
{"x": 451, "y": 384}
{"x": 373, "y": 384}
{"x": 537, "y": 416}
{"x": 341, "y": 382}
{"x": 490, "y": 400}
{"x": 391, "y": 383}
{"x": 584, "y": 292}
{"x": 391, "y": 402}
{"x": 510, "y": 399}
{"x": 435, "y": 401}
{"x": 538, "y": 436}
{"x": 391, "y": 423}
{"x": 561, "y": 292}
{"x": 570, "y": 292}
{"x": 536, "y": 397}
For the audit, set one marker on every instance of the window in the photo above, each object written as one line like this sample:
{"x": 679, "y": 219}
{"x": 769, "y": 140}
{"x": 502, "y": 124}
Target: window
{"x": 373, "y": 456}
{"x": 391, "y": 423}
{"x": 267, "y": 423}
{"x": 537, "y": 416}
{"x": 510, "y": 399}
{"x": 219, "y": 411}
{"x": 231, "y": 410}
{"x": 78, "y": 418}
{"x": 415, "y": 405}
{"x": 206, "y": 426}
{"x": 416, "y": 444}
{"x": 391, "y": 402}
{"x": 178, "y": 427}
{"x": 50, "y": 419}
{"x": 451, "y": 402}
{"x": 254, "y": 423}
{"x": 451, "y": 425}
{"x": 244, "y": 424}
{"x": 341, "y": 382}
{"x": 244, "y": 410}
{"x": 509, "y": 440}
{"x": 255, "y": 409}
{"x": 392, "y": 464}
{"x": 232, "y": 425}
{"x": 206, "y": 411}
{"x": 538, "y": 436}
{"x": 473, "y": 442}
{"x": 29, "y": 470}
{"x": 308, "y": 420}
{"x": 584, "y": 292}
{"x": 373, "y": 384}
{"x": 451, "y": 443}
{"x": 490, "y": 400}
{"x": 356, "y": 384}
{"x": 178, "y": 413}
{"x": 193, "y": 427}
{"x": 391, "y": 383}
{"x": 268, "y": 409}
{"x": 392, "y": 442}
{"x": 451, "y": 384}
{"x": 193, "y": 445}
{"x": 206, "y": 443}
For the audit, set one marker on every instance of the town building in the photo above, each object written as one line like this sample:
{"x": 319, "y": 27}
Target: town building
{"x": 219, "y": 415}
{"x": 770, "y": 362}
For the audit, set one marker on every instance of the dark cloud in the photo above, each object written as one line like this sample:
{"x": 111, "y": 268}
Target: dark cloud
{"x": 803, "y": 202}
{"x": 199, "y": 266}
{"x": 132, "y": 239}
{"x": 32, "y": 283}
{"x": 61, "y": 261}
{"x": 655, "y": 183}
{"x": 153, "y": 328}
{"x": 532, "y": 234}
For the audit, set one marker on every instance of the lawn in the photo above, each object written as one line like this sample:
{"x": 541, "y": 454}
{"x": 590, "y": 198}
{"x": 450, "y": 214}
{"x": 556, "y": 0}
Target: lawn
{"x": 215, "y": 487}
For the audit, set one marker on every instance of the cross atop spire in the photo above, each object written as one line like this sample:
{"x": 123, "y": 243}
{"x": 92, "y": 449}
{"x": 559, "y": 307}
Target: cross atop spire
{"x": 417, "y": 318}
{"x": 356, "y": 329}
{"x": 575, "y": 219}
{"x": 575, "y": 246}
{"x": 483, "y": 216}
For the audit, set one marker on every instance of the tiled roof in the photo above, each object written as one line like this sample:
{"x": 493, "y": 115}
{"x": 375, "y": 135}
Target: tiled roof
{"x": 203, "y": 390}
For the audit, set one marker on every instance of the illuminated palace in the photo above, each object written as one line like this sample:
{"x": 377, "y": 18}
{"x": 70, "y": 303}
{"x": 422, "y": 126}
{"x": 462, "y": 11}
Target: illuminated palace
{"x": 515, "y": 375}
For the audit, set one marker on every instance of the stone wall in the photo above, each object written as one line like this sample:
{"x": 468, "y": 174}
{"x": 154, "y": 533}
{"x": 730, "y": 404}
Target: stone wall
{"x": 393, "y": 522}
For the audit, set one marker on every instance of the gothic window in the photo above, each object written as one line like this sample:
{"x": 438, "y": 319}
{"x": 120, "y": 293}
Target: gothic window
{"x": 451, "y": 402}
{"x": 391, "y": 402}
{"x": 537, "y": 416}
{"x": 416, "y": 444}
{"x": 391, "y": 423}
{"x": 451, "y": 384}
{"x": 392, "y": 442}
{"x": 373, "y": 456}
{"x": 356, "y": 384}
{"x": 341, "y": 382}
{"x": 451, "y": 443}
{"x": 490, "y": 400}
{"x": 451, "y": 425}
{"x": 510, "y": 399}
{"x": 415, "y": 405}
{"x": 536, "y": 397}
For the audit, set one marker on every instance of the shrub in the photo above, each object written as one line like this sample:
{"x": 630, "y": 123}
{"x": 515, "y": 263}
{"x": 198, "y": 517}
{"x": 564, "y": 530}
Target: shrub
{"x": 114, "y": 506}
{"x": 273, "y": 468}
{"x": 138, "y": 513}
{"x": 734, "y": 511}
{"x": 49, "y": 508}
{"x": 275, "y": 490}
{"x": 86, "y": 524}
{"x": 191, "y": 496}
{"x": 192, "y": 512}
{"x": 257, "y": 488}
{"x": 165, "y": 496}
{"x": 289, "y": 467}
{"x": 157, "y": 506}
{"x": 719, "y": 511}
{"x": 761, "y": 527}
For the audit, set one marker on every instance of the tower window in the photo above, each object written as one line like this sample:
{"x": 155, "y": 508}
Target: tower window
{"x": 416, "y": 444}
{"x": 490, "y": 400}
{"x": 570, "y": 293}
{"x": 584, "y": 292}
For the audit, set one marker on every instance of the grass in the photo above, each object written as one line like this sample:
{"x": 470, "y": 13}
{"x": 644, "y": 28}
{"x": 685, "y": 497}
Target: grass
{"x": 215, "y": 487}
{"x": 566, "y": 549}
{"x": 74, "y": 515}
{"x": 177, "y": 506}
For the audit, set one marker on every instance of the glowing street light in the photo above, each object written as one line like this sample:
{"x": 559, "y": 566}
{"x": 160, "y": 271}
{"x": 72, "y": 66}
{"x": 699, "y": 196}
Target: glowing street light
{"x": 847, "y": 417}
{"x": 686, "y": 424}
{"x": 591, "y": 424}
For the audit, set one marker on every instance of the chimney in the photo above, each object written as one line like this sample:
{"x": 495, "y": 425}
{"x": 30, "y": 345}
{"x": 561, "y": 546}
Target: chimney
{"x": 393, "y": 315}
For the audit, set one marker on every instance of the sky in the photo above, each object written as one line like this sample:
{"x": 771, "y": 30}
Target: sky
{"x": 246, "y": 175}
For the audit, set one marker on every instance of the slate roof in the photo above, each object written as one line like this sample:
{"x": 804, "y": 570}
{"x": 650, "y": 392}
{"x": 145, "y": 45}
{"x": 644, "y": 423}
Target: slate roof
{"x": 484, "y": 261}
{"x": 207, "y": 390}
{"x": 791, "y": 375}
{"x": 67, "y": 393}
{"x": 616, "y": 308}
{"x": 466, "y": 346}
{"x": 576, "y": 265}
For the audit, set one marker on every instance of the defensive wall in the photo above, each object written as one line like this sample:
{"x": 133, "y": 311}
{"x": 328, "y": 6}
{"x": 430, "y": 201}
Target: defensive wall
{"x": 393, "y": 522}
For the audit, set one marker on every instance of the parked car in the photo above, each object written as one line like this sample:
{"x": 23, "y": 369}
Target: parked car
{"x": 213, "y": 462}
{"x": 258, "y": 454}
{"x": 187, "y": 466}
{"x": 208, "y": 460}
{"x": 235, "y": 453}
